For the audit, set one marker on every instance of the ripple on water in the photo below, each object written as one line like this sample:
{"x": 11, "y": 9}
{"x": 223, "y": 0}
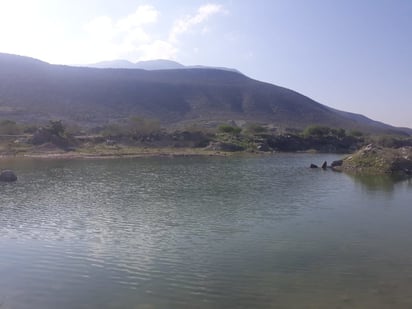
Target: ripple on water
{"x": 200, "y": 233}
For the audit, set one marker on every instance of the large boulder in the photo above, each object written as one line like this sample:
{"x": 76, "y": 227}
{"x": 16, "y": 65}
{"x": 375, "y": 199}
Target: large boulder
{"x": 7, "y": 176}
{"x": 375, "y": 160}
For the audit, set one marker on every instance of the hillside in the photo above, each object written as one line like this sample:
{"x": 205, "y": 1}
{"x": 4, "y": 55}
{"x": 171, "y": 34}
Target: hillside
{"x": 33, "y": 91}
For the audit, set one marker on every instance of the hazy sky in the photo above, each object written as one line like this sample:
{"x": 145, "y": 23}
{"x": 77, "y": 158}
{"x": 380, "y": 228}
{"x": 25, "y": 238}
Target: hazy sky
{"x": 353, "y": 55}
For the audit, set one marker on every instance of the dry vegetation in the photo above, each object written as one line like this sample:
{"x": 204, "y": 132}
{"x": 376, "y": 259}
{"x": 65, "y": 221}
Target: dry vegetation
{"x": 137, "y": 136}
{"x": 376, "y": 160}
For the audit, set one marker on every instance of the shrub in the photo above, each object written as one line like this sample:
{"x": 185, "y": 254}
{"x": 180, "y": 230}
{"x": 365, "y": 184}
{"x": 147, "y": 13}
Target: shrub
{"x": 340, "y": 133}
{"x": 316, "y": 130}
{"x": 255, "y": 128}
{"x": 225, "y": 128}
{"x": 56, "y": 127}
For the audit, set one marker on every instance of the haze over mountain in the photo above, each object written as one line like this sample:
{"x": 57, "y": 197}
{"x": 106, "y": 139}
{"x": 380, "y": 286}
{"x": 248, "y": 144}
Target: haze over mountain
{"x": 33, "y": 91}
{"x": 159, "y": 64}
{"x": 150, "y": 65}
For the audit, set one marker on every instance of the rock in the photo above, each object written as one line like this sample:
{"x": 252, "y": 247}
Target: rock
{"x": 225, "y": 147}
{"x": 325, "y": 165}
{"x": 375, "y": 160}
{"x": 313, "y": 166}
{"x": 263, "y": 147}
{"x": 337, "y": 163}
{"x": 7, "y": 176}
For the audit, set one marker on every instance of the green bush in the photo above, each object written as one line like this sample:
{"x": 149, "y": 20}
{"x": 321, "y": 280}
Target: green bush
{"x": 316, "y": 130}
{"x": 226, "y": 128}
{"x": 323, "y": 131}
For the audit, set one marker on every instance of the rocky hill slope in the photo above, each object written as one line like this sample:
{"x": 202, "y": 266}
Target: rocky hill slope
{"x": 35, "y": 91}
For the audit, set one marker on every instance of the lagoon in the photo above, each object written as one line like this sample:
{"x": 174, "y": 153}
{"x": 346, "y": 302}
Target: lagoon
{"x": 203, "y": 232}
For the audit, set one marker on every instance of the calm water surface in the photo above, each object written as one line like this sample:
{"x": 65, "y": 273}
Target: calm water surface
{"x": 260, "y": 232}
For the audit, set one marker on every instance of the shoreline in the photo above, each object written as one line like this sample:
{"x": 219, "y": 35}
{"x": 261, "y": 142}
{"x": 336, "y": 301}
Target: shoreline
{"x": 137, "y": 153}
{"x": 132, "y": 152}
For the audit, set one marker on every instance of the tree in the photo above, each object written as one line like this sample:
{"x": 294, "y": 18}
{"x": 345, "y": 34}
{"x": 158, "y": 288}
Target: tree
{"x": 56, "y": 127}
{"x": 53, "y": 133}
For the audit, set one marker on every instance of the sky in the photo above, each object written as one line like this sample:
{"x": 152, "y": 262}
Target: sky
{"x": 352, "y": 55}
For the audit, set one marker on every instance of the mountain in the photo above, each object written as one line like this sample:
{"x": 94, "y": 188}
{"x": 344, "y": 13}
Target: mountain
{"x": 150, "y": 65}
{"x": 159, "y": 64}
{"x": 33, "y": 91}
{"x": 114, "y": 64}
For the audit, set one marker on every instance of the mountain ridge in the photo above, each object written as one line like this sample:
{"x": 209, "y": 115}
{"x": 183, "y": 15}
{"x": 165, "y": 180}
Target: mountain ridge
{"x": 159, "y": 64}
{"x": 32, "y": 90}
{"x": 150, "y": 65}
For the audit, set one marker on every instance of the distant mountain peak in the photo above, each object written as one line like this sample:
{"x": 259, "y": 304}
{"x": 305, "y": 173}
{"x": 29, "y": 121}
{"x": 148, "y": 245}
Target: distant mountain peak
{"x": 152, "y": 65}
{"x": 160, "y": 64}
{"x": 115, "y": 64}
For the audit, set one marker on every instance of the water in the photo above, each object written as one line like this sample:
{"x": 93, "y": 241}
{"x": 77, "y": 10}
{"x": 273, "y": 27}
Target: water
{"x": 257, "y": 232}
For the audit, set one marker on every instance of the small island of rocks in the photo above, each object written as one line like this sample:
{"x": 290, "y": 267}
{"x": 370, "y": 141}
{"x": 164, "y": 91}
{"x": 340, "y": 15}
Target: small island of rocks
{"x": 377, "y": 160}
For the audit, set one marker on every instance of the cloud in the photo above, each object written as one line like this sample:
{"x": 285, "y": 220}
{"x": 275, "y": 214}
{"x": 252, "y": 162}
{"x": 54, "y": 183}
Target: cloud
{"x": 129, "y": 27}
{"x": 144, "y": 14}
{"x": 140, "y": 35}
{"x": 101, "y": 28}
{"x": 111, "y": 39}
{"x": 157, "y": 50}
{"x": 186, "y": 24}
{"x": 128, "y": 37}
{"x": 21, "y": 29}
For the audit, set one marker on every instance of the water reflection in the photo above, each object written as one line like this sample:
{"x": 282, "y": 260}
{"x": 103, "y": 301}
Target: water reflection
{"x": 381, "y": 183}
{"x": 200, "y": 233}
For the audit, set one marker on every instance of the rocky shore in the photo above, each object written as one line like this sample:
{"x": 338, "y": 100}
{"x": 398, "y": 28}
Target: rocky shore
{"x": 376, "y": 160}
